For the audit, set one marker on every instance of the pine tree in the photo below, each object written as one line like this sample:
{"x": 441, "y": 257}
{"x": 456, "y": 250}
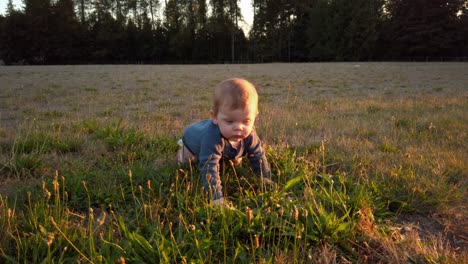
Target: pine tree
{"x": 422, "y": 29}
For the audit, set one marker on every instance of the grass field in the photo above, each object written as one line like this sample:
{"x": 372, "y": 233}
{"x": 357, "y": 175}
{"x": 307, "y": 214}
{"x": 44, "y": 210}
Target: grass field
{"x": 370, "y": 161}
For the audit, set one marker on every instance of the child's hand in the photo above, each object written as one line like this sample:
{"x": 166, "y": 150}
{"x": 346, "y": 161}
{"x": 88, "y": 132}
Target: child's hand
{"x": 219, "y": 202}
{"x": 222, "y": 204}
{"x": 268, "y": 184}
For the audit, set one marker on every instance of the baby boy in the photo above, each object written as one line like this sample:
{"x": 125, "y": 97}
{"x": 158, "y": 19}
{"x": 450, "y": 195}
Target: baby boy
{"x": 229, "y": 134}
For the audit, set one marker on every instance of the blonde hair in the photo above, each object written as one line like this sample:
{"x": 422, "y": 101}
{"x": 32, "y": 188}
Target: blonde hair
{"x": 234, "y": 93}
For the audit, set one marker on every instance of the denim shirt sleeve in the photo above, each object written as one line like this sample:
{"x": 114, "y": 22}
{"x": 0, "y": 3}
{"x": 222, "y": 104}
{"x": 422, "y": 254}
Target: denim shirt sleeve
{"x": 211, "y": 151}
{"x": 204, "y": 140}
{"x": 257, "y": 156}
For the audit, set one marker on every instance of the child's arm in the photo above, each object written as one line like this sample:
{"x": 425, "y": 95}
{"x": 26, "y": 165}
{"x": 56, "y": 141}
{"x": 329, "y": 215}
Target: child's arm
{"x": 257, "y": 157}
{"x": 204, "y": 141}
{"x": 209, "y": 158}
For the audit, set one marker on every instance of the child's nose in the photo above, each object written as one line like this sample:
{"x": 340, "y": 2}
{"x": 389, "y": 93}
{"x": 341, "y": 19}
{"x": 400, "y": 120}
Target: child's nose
{"x": 237, "y": 127}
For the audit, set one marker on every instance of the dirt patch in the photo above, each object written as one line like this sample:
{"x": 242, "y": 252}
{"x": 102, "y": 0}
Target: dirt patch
{"x": 451, "y": 226}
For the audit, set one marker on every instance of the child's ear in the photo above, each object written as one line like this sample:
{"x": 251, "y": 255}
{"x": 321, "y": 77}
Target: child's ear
{"x": 214, "y": 117}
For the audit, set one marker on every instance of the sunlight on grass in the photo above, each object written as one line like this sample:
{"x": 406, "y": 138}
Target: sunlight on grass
{"x": 90, "y": 176}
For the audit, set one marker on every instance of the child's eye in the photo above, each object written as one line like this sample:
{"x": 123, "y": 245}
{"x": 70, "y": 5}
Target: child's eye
{"x": 246, "y": 122}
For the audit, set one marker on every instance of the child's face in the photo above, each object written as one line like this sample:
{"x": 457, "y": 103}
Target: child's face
{"x": 237, "y": 124}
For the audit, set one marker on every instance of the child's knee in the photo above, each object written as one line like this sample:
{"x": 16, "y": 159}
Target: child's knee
{"x": 180, "y": 156}
{"x": 184, "y": 155}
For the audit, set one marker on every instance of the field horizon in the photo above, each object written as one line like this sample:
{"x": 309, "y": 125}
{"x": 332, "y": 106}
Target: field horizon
{"x": 370, "y": 161}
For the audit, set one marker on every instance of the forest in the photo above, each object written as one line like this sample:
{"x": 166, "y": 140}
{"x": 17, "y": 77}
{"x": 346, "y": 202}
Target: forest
{"x": 43, "y": 32}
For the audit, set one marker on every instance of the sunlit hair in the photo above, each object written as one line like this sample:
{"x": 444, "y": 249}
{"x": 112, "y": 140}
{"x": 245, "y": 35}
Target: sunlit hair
{"x": 234, "y": 94}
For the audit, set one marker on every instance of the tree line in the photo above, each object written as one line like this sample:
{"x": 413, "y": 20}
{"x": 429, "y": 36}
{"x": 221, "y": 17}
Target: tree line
{"x": 200, "y": 31}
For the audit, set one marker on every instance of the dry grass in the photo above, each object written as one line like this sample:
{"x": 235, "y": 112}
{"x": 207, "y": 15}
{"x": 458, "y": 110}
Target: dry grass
{"x": 403, "y": 125}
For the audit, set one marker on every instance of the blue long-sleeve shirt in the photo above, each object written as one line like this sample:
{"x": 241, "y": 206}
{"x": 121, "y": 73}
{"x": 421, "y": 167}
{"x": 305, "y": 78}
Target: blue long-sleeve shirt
{"x": 206, "y": 142}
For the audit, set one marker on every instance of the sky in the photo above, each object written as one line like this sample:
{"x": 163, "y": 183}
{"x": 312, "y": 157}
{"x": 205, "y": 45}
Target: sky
{"x": 245, "y": 6}
{"x": 247, "y": 13}
{"x": 3, "y": 4}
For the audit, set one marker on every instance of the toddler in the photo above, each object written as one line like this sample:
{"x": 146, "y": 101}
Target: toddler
{"x": 229, "y": 134}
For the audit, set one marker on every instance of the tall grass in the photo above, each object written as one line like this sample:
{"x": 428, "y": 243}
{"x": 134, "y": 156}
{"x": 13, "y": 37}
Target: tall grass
{"x": 163, "y": 215}
{"x": 93, "y": 179}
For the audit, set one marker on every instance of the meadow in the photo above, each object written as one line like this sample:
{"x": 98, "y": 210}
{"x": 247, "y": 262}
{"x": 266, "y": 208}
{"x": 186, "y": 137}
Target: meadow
{"x": 370, "y": 161}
